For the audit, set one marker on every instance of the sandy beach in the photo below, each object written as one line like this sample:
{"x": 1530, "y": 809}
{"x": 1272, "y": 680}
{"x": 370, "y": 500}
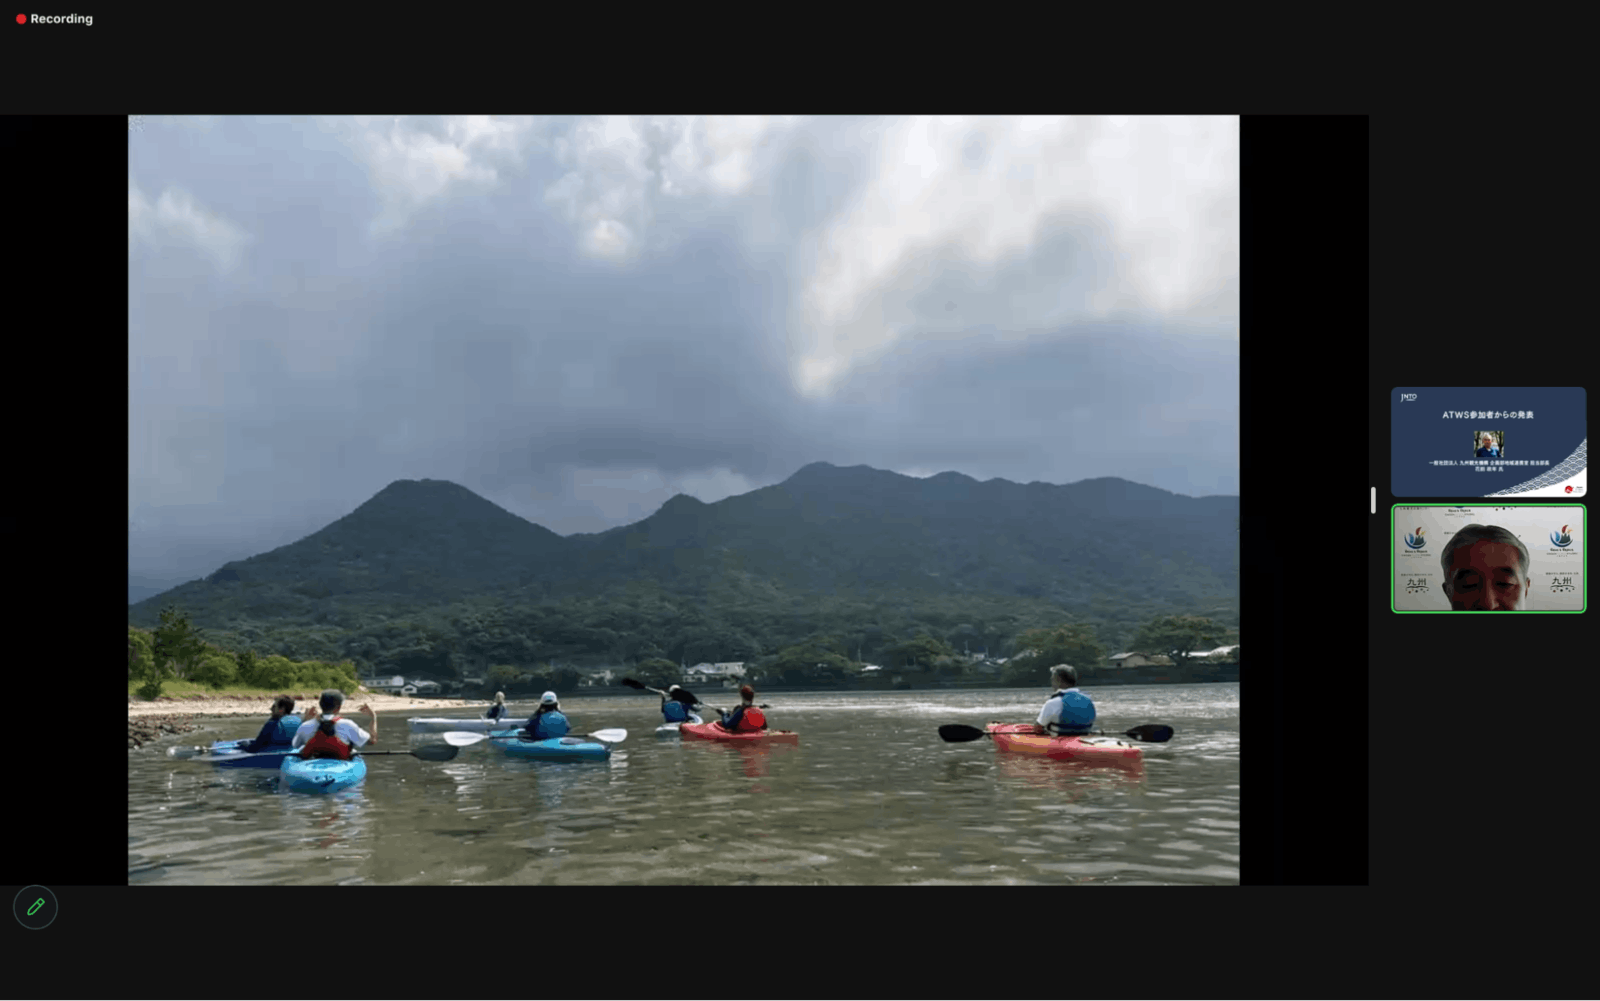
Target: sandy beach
{"x": 261, "y": 707}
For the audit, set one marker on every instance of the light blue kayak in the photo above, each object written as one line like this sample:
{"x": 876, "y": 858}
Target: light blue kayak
{"x": 322, "y": 774}
{"x": 556, "y": 749}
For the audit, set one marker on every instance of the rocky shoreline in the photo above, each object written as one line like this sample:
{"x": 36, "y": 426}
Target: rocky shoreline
{"x": 149, "y": 729}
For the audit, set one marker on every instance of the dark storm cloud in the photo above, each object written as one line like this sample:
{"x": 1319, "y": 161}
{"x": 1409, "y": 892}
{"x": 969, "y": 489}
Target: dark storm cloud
{"x": 578, "y": 320}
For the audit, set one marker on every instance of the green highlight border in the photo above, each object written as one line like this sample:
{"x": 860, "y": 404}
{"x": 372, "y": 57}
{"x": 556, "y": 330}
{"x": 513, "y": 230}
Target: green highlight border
{"x": 1450, "y": 611}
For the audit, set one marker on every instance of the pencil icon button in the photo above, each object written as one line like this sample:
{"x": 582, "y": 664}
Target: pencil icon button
{"x": 35, "y": 907}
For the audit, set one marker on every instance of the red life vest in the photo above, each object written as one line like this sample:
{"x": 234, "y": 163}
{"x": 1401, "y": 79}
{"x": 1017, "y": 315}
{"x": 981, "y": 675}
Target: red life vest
{"x": 322, "y": 745}
{"x": 752, "y": 719}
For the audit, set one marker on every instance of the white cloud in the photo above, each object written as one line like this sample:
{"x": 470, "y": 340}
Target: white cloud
{"x": 617, "y": 168}
{"x": 1153, "y": 203}
{"x": 412, "y": 162}
{"x": 178, "y": 219}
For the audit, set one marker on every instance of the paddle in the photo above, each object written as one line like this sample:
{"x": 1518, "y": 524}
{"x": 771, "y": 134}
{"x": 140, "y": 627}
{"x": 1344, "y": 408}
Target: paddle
{"x": 684, "y": 695}
{"x": 457, "y": 738}
{"x": 427, "y": 752}
{"x": 1151, "y": 732}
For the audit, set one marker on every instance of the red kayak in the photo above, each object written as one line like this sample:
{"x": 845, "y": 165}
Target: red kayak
{"x": 1026, "y": 738}
{"x": 714, "y": 731}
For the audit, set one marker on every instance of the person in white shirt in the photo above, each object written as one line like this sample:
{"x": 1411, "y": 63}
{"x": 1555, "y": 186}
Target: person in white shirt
{"x": 331, "y": 735}
{"x": 1068, "y": 711}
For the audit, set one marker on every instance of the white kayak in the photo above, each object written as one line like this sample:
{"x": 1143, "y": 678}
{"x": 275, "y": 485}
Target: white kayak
{"x": 671, "y": 729}
{"x": 439, "y": 724}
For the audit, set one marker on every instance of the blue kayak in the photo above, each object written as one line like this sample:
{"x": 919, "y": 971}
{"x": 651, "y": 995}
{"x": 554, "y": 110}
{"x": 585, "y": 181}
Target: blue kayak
{"x": 555, "y": 749}
{"x": 225, "y": 754}
{"x": 321, "y": 774}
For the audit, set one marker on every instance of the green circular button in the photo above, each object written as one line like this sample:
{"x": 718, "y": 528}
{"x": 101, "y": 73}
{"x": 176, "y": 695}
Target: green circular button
{"x": 35, "y": 907}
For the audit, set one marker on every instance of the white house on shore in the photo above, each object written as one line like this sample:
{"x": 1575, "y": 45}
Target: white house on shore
{"x": 728, "y": 674}
{"x": 1138, "y": 660}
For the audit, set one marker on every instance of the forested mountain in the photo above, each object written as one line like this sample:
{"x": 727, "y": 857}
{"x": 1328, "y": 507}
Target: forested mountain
{"x": 429, "y": 566}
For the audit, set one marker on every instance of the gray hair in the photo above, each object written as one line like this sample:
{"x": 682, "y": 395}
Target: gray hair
{"x": 1472, "y": 534}
{"x": 1064, "y": 672}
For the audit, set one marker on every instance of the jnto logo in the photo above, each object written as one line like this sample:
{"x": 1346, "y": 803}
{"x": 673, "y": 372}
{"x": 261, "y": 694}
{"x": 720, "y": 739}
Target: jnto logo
{"x": 1561, "y": 539}
{"x": 1408, "y": 397}
{"x": 1414, "y": 540}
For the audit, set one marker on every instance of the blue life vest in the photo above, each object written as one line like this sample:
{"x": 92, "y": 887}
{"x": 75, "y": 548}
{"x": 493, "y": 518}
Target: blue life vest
{"x": 1077, "y": 711}
{"x": 549, "y": 725}
{"x": 675, "y": 711}
{"x": 497, "y": 710}
{"x": 283, "y": 736}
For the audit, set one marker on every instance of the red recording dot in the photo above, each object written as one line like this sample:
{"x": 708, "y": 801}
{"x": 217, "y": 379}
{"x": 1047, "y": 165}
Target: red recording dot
{"x": 22, "y": 19}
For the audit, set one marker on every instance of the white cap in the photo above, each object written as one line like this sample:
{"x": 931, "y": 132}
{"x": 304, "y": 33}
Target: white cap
{"x": 499, "y": 696}
{"x": 548, "y": 699}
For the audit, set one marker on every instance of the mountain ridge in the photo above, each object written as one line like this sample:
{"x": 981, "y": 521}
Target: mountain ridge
{"x": 826, "y": 527}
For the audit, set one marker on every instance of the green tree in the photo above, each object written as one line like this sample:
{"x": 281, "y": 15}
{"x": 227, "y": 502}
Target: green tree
{"x": 216, "y": 669}
{"x": 140, "y": 655}
{"x": 248, "y": 667}
{"x": 502, "y": 678}
{"x": 919, "y": 653}
{"x": 1177, "y": 636}
{"x": 1073, "y": 643}
{"x": 177, "y": 647}
{"x": 658, "y": 672}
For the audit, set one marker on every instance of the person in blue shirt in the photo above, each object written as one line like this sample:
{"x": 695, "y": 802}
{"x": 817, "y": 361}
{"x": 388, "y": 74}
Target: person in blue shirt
{"x": 745, "y": 717}
{"x": 498, "y": 710}
{"x": 1488, "y": 449}
{"x": 547, "y": 721}
{"x": 1068, "y": 711}
{"x": 278, "y": 732}
{"x": 675, "y": 706}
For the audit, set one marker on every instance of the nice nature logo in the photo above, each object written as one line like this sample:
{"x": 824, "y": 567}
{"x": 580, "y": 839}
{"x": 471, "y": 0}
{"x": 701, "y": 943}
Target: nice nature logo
{"x": 1561, "y": 539}
{"x": 1414, "y": 539}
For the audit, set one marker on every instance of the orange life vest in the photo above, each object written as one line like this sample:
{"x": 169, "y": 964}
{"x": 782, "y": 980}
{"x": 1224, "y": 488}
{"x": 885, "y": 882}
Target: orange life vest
{"x": 752, "y": 719}
{"x": 322, "y": 745}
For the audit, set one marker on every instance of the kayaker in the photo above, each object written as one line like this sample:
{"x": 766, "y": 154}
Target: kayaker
{"x": 498, "y": 710}
{"x": 278, "y": 731}
{"x": 675, "y": 706}
{"x": 331, "y": 735}
{"x": 745, "y": 716}
{"x": 547, "y": 721}
{"x": 1068, "y": 711}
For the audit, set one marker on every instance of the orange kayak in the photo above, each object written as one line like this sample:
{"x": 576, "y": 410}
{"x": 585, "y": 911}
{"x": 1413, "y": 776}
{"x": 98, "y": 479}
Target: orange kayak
{"x": 1025, "y": 738}
{"x": 712, "y": 731}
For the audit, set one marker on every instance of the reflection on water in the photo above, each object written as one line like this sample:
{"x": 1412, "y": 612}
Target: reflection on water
{"x": 869, "y": 795}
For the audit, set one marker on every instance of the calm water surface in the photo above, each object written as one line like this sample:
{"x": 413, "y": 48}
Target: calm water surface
{"x": 870, "y": 795}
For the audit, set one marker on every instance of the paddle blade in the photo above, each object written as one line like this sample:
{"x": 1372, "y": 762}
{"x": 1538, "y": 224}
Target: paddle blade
{"x": 687, "y": 697}
{"x": 956, "y": 733}
{"x": 187, "y": 752}
{"x": 1151, "y": 732}
{"x": 457, "y": 738}
{"x": 436, "y": 752}
{"x": 633, "y": 684}
{"x": 610, "y": 736}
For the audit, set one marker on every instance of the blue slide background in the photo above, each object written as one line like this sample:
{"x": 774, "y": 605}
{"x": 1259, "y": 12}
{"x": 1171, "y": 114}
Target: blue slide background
{"x": 1419, "y": 435}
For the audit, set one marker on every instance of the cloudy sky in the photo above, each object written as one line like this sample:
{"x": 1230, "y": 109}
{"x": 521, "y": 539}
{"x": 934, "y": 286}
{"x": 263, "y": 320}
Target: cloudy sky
{"x": 579, "y": 318}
